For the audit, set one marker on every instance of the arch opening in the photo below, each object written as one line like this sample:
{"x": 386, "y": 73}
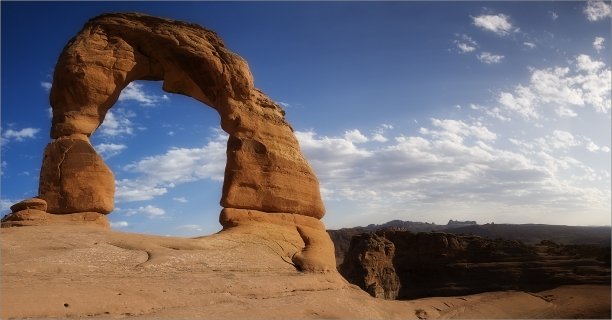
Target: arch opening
{"x": 265, "y": 169}
{"x": 269, "y": 189}
{"x": 168, "y": 155}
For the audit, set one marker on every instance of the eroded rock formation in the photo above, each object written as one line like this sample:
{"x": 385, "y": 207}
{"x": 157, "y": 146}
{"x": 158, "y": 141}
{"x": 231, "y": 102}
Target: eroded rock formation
{"x": 265, "y": 171}
{"x": 442, "y": 264}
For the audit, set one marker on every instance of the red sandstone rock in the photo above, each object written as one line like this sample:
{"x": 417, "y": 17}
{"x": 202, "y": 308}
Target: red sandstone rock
{"x": 32, "y": 203}
{"x": 74, "y": 178}
{"x": 265, "y": 169}
{"x": 302, "y": 240}
{"x": 33, "y": 217}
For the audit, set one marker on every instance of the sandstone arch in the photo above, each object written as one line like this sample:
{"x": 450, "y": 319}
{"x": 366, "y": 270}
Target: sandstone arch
{"x": 270, "y": 194}
{"x": 265, "y": 169}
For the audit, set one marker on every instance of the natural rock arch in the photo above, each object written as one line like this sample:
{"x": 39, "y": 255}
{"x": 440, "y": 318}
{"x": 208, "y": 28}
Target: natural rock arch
{"x": 270, "y": 194}
{"x": 265, "y": 168}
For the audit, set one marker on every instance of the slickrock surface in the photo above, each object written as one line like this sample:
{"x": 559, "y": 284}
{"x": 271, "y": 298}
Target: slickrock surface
{"x": 68, "y": 271}
{"x": 405, "y": 265}
{"x": 265, "y": 169}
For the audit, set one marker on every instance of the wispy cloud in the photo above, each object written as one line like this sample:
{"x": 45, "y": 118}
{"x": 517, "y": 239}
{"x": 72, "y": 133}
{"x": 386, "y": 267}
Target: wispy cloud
{"x": 598, "y": 44}
{"x": 490, "y": 58}
{"x": 529, "y": 45}
{"x": 46, "y": 85}
{"x": 19, "y": 135}
{"x": 107, "y": 150}
{"x": 189, "y": 227}
{"x": 596, "y": 10}
{"x": 498, "y": 23}
{"x": 180, "y": 199}
{"x": 119, "y": 224}
{"x": 148, "y": 210}
{"x": 135, "y": 92}
{"x": 117, "y": 123}
{"x": 554, "y": 16}
{"x": 465, "y": 43}
{"x": 585, "y": 82}
{"x": 156, "y": 174}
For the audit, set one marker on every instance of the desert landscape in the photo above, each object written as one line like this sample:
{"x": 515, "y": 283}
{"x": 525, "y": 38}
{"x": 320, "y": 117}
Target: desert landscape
{"x": 274, "y": 258}
{"x": 86, "y": 272}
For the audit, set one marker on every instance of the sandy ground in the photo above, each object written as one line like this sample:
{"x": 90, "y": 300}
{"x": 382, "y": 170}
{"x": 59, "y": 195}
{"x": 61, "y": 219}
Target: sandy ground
{"x": 75, "y": 271}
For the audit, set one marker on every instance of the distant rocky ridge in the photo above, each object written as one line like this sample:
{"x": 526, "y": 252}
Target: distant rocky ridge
{"x": 394, "y": 264}
{"x": 526, "y": 233}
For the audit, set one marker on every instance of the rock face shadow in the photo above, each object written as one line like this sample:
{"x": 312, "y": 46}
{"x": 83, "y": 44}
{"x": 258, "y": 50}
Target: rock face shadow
{"x": 265, "y": 174}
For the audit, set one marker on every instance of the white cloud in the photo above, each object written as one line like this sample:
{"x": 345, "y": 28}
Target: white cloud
{"x": 465, "y": 43}
{"x": 379, "y": 134}
{"x": 180, "y": 199}
{"x": 20, "y": 135}
{"x": 107, "y": 150}
{"x": 490, "y": 58}
{"x": 127, "y": 190}
{"x": 585, "y": 63}
{"x": 156, "y": 174}
{"x": 598, "y": 44}
{"x": 585, "y": 82}
{"x": 119, "y": 224}
{"x": 565, "y": 112}
{"x": 559, "y": 140}
{"x": 596, "y": 10}
{"x": 456, "y": 130}
{"x": 134, "y": 91}
{"x": 493, "y": 112}
{"x": 117, "y": 123}
{"x": 499, "y": 23}
{"x": 529, "y": 45}
{"x": 355, "y": 136}
{"x": 463, "y": 47}
{"x": 148, "y": 210}
{"x": 46, "y": 85}
{"x": 450, "y": 161}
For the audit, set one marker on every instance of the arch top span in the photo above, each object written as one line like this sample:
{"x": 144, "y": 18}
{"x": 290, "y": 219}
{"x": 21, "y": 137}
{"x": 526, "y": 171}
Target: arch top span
{"x": 265, "y": 169}
{"x": 113, "y": 50}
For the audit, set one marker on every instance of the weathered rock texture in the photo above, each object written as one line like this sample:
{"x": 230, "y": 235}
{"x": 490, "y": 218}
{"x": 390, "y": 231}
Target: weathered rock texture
{"x": 33, "y": 212}
{"x": 299, "y": 240}
{"x": 265, "y": 169}
{"x": 74, "y": 178}
{"x": 441, "y": 264}
{"x": 370, "y": 266}
{"x": 269, "y": 191}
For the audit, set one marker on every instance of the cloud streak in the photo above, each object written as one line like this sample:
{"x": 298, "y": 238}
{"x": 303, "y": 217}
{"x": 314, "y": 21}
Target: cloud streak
{"x": 490, "y": 58}
{"x": 155, "y": 175}
{"x": 497, "y": 23}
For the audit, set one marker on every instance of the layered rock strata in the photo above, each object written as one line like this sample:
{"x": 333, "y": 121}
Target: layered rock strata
{"x": 405, "y": 265}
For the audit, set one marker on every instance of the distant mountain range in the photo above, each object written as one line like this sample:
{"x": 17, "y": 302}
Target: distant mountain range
{"x": 526, "y": 233}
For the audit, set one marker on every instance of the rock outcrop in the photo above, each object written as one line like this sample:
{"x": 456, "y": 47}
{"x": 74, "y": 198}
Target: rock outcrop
{"x": 265, "y": 170}
{"x": 370, "y": 266}
{"x": 441, "y": 264}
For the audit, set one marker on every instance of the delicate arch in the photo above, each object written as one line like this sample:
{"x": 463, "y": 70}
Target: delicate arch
{"x": 265, "y": 168}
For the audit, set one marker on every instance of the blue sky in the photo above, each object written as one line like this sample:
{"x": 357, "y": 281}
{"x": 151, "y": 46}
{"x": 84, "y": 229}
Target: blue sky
{"x": 423, "y": 111}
